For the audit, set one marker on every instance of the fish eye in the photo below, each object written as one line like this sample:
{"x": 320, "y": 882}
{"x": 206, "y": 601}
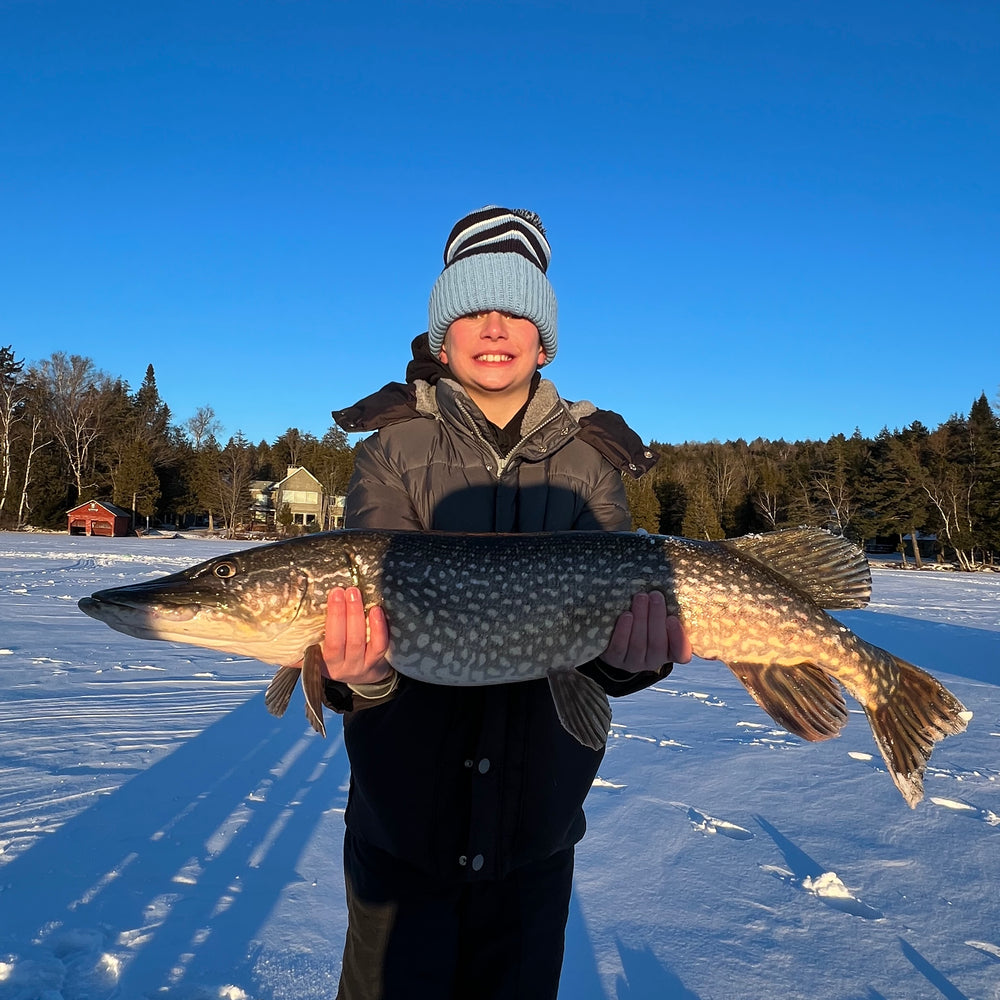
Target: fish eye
{"x": 224, "y": 570}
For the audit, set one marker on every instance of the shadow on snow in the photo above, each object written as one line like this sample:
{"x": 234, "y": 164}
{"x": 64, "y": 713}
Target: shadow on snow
{"x": 184, "y": 882}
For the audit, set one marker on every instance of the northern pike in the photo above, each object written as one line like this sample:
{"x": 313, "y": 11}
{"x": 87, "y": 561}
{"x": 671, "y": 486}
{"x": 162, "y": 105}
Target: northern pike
{"x": 493, "y": 609}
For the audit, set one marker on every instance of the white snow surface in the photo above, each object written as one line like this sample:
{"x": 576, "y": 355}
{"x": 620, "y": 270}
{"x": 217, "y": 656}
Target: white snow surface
{"x": 162, "y": 836}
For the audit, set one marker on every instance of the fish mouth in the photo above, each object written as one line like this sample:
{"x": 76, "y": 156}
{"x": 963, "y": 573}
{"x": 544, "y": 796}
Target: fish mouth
{"x": 139, "y": 619}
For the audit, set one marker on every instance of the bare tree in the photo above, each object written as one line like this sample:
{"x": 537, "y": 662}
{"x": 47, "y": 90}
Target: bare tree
{"x": 835, "y": 497}
{"x": 13, "y": 393}
{"x": 202, "y": 426}
{"x": 76, "y": 395}
{"x": 34, "y": 444}
{"x": 236, "y": 467}
{"x": 767, "y": 491}
{"x": 291, "y": 445}
{"x": 949, "y": 486}
{"x": 723, "y": 474}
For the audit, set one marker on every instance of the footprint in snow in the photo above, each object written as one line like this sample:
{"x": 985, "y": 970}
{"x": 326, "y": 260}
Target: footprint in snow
{"x": 704, "y": 823}
{"x": 700, "y": 696}
{"x": 986, "y": 816}
{"x": 130, "y": 666}
{"x": 619, "y": 731}
{"x": 828, "y": 888}
{"x": 866, "y": 758}
{"x": 758, "y": 734}
{"x": 608, "y": 786}
{"x": 992, "y": 950}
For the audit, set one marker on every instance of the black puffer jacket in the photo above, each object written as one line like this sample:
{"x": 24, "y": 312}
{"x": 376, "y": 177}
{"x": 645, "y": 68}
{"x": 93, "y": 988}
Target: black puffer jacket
{"x": 468, "y": 783}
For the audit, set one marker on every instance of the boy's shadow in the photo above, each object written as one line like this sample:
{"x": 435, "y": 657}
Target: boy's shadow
{"x": 184, "y": 862}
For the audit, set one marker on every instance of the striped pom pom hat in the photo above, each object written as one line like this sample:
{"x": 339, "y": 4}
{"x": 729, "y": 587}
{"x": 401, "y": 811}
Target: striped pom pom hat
{"x": 495, "y": 258}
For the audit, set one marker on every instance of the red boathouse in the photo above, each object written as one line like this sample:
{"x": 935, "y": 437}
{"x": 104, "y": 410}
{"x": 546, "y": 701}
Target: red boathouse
{"x": 95, "y": 517}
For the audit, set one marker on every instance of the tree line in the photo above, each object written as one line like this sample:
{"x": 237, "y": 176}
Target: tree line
{"x": 940, "y": 485}
{"x": 71, "y": 433}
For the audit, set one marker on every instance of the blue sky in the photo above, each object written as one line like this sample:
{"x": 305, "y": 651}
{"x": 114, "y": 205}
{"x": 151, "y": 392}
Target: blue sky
{"x": 776, "y": 219}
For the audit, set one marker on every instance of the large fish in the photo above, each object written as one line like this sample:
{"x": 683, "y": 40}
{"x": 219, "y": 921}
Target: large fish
{"x": 492, "y": 609}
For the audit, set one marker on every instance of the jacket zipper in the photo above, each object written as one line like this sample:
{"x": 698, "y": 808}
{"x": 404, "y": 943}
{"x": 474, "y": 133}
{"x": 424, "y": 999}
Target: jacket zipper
{"x": 501, "y": 463}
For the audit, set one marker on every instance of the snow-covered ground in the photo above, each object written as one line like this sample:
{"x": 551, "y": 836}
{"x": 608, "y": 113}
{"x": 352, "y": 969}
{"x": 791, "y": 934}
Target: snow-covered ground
{"x": 162, "y": 836}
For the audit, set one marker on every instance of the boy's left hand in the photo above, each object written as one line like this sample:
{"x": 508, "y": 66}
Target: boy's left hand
{"x": 645, "y": 637}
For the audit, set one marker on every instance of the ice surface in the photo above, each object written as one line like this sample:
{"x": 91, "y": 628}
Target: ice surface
{"x": 162, "y": 835}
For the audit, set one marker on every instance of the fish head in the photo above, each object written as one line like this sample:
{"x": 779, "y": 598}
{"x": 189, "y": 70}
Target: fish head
{"x": 250, "y": 603}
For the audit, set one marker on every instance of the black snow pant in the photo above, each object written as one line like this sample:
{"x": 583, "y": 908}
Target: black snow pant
{"x": 411, "y": 938}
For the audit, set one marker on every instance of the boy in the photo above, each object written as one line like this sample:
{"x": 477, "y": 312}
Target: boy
{"x": 466, "y": 803}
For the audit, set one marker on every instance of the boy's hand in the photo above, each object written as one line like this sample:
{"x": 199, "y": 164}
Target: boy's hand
{"x": 354, "y": 645}
{"x": 645, "y": 637}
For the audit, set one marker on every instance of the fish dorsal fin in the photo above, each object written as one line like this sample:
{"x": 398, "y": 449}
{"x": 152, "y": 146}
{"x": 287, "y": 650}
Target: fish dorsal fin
{"x": 831, "y": 570}
{"x": 801, "y": 698}
{"x": 582, "y": 706}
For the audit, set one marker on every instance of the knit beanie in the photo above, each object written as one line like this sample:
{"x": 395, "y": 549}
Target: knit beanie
{"x": 495, "y": 258}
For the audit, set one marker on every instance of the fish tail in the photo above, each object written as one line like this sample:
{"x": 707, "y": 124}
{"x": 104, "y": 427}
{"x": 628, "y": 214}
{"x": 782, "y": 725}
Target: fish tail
{"x": 906, "y": 725}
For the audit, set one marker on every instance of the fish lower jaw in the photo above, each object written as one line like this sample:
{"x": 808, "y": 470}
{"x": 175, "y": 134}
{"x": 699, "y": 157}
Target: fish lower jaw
{"x": 280, "y": 648}
{"x": 264, "y": 650}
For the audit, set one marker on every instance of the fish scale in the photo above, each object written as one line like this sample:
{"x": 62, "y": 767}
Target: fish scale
{"x": 494, "y": 609}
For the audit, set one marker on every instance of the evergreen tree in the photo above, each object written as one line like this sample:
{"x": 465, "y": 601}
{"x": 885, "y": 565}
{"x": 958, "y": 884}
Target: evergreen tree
{"x": 285, "y": 517}
{"x": 906, "y": 505}
{"x": 289, "y": 449}
{"x": 204, "y": 479}
{"x": 137, "y": 486}
{"x": 673, "y": 500}
{"x": 267, "y": 465}
{"x": 175, "y": 474}
{"x": 331, "y": 461}
{"x": 984, "y": 460}
{"x": 151, "y": 416}
{"x": 701, "y": 519}
{"x": 643, "y": 505}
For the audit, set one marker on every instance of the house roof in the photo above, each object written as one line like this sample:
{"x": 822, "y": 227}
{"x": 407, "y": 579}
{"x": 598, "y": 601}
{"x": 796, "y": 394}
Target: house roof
{"x": 104, "y": 505}
{"x": 294, "y": 473}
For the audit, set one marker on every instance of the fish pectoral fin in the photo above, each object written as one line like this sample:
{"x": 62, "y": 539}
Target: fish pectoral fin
{"x": 312, "y": 686}
{"x": 279, "y": 691}
{"x": 582, "y": 706}
{"x": 801, "y": 698}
